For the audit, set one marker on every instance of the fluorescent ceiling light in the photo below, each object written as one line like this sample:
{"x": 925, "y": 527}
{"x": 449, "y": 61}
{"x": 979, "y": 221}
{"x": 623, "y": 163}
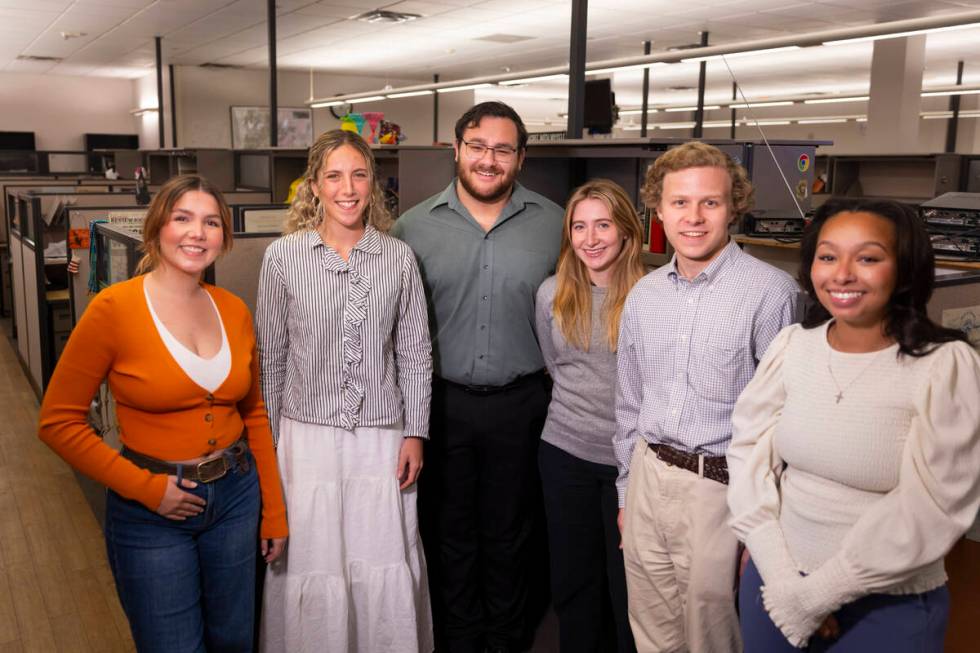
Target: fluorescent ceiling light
{"x": 332, "y": 103}
{"x": 410, "y": 94}
{"x": 369, "y": 98}
{"x": 619, "y": 69}
{"x": 706, "y": 108}
{"x": 821, "y": 121}
{"x": 467, "y": 87}
{"x": 831, "y": 100}
{"x": 937, "y": 116}
{"x": 737, "y": 55}
{"x": 636, "y": 112}
{"x": 531, "y": 80}
{"x": 674, "y": 125}
{"x": 140, "y": 112}
{"x": 895, "y": 35}
{"x": 972, "y": 91}
{"x": 754, "y": 105}
{"x": 764, "y": 123}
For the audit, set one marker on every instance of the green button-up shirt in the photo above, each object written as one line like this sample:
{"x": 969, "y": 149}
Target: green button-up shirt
{"x": 481, "y": 284}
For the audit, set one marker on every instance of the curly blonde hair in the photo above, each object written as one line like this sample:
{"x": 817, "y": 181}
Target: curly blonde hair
{"x": 696, "y": 154}
{"x": 306, "y": 212}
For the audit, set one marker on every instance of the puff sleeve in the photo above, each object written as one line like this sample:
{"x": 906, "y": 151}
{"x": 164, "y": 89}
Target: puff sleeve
{"x": 933, "y": 504}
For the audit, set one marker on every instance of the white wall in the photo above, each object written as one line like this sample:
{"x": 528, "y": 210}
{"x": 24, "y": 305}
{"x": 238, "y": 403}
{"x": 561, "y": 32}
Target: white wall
{"x": 205, "y": 97}
{"x": 61, "y": 109}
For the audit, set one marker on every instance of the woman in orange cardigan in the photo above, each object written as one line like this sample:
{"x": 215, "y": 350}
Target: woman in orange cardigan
{"x": 184, "y": 494}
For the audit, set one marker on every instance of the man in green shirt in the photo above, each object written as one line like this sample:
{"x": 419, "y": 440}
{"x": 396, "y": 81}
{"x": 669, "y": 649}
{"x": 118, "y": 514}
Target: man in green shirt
{"x": 484, "y": 245}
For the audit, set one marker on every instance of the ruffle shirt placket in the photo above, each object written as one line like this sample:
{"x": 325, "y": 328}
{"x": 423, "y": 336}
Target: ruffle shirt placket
{"x": 358, "y": 287}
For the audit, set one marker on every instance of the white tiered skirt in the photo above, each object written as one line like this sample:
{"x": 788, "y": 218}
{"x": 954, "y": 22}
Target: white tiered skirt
{"x": 353, "y": 576}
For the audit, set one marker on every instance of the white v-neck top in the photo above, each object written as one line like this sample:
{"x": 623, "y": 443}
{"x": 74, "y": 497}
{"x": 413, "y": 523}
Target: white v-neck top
{"x": 209, "y": 373}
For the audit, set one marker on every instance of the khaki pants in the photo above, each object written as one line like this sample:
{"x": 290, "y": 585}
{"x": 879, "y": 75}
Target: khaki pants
{"x": 681, "y": 559}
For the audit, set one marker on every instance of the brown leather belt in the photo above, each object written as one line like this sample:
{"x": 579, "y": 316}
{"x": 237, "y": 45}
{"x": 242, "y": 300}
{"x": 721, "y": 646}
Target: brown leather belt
{"x": 206, "y": 471}
{"x": 713, "y": 467}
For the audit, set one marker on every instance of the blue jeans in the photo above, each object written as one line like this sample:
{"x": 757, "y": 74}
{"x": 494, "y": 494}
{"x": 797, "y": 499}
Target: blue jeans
{"x": 189, "y": 586}
{"x": 906, "y": 623}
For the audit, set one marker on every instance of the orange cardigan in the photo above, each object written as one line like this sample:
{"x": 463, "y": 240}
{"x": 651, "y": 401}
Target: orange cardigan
{"x": 161, "y": 412}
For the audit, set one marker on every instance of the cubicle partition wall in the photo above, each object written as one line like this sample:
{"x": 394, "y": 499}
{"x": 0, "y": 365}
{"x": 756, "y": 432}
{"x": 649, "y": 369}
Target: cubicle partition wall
{"x": 215, "y": 164}
{"x": 271, "y": 170}
{"x": 259, "y": 218}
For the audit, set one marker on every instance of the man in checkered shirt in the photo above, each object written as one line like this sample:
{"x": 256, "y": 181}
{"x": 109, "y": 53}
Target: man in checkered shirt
{"x": 691, "y": 335}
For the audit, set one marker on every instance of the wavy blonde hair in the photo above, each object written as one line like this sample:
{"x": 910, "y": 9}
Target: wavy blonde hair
{"x": 158, "y": 215}
{"x": 572, "y": 306}
{"x": 306, "y": 212}
{"x": 696, "y": 154}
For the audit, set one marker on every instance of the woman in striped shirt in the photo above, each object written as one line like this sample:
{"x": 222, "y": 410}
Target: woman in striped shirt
{"x": 346, "y": 375}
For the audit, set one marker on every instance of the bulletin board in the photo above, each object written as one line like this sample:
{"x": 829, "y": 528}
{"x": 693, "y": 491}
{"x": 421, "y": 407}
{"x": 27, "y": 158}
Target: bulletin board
{"x": 250, "y": 127}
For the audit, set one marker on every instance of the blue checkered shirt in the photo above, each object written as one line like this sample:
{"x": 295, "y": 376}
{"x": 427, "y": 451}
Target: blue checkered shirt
{"x": 688, "y": 347}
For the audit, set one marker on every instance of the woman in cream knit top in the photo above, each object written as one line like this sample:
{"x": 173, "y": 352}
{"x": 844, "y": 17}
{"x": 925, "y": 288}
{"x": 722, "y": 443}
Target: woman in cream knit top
{"x": 854, "y": 462}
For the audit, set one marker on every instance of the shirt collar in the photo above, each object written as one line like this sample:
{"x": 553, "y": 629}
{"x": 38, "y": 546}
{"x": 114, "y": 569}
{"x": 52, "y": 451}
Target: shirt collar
{"x": 369, "y": 243}
{"x": 729, "y": 252}
{"x": 520, "y": 197}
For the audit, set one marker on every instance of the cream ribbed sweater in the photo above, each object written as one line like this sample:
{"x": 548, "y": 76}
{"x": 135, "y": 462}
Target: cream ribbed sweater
{"x": 866, "y": 495}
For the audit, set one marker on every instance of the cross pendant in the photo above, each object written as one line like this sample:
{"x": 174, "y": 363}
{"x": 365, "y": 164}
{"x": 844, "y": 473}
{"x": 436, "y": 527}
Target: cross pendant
{"x": 840, "y": 395}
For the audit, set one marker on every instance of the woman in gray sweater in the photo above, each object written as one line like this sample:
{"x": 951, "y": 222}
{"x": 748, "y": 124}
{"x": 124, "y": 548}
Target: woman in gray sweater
{"x": 578, "y": 313}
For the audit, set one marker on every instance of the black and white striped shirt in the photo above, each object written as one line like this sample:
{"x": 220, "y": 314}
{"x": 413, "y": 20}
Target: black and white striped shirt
{"x": 344, "y": 343}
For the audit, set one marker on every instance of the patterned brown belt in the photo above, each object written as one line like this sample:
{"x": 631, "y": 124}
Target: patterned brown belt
{"x": 713, "y": 467}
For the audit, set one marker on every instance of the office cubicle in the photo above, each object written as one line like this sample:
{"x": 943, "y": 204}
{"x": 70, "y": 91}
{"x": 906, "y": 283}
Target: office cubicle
{"x": 217, "y": 165}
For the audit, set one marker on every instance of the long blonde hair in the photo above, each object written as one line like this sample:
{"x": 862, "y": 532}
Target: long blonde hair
{"x": 572, "y": 306}
{"x": 158, "y": 215}
{"x": 306, "y": 212}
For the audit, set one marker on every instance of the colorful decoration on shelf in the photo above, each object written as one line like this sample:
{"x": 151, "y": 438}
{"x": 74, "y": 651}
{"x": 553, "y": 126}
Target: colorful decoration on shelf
{"x": 390, "y": 133}
{"x": 353, "y": 122}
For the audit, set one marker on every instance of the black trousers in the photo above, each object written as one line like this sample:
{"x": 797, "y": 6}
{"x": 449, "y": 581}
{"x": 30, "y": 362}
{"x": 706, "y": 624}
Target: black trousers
{"x": 588, "y": 579}
{"x": 478, "y": 496}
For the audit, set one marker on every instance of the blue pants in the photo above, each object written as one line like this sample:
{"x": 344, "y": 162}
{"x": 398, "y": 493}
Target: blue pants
{"x": 189, "y": 585}
{"x": 910, "y": 623}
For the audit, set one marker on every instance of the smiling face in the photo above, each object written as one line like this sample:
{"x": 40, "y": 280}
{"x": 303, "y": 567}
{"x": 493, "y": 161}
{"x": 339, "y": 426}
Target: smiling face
{"x": 695, "y": 208}
{"x": 595, "y": 239}
{"x": 193, "y": 236}
{"x": 343, "y": 186}
{"x": 489, "y": 177}
{"x": 855, "y": 269}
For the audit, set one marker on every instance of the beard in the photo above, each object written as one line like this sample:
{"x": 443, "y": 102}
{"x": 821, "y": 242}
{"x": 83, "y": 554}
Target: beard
{"x": 503, "y": 187}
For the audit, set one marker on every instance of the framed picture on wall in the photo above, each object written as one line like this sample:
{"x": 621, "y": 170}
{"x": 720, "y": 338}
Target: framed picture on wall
{"x": 250, "y": 127}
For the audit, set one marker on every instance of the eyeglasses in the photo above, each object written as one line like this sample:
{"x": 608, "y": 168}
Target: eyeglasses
{"x": 476, "y": 151}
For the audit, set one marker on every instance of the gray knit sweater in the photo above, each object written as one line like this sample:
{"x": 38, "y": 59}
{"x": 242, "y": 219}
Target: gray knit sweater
{"x": 581, "y": 419}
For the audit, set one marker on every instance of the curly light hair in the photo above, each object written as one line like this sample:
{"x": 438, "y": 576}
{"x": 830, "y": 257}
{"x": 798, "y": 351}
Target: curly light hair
{"x": 306, "y": 212}
{"x": 698, "y": 155}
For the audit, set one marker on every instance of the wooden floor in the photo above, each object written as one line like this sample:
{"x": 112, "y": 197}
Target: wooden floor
{"x": 56, "y": 591}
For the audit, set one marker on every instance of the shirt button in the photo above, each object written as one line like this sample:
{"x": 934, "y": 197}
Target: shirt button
{"x": 484, "y": 298}
{"x": 208, "y": 417}
{"x": 210, "y": 397}
{"x": 482, "y": 327}
{"x": 673, "y": 412}
{"x": 212, "y": 442}
{"x": 481, "y": 357}
{"x": 690, "y": 301}
{"x": 486, "y": 267}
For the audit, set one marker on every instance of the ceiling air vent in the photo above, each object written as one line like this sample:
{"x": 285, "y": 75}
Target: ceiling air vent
{"x": 384, "y": 16}
{"x": 32, "y": 57}
{"x": 503, "y": 38}
{"x": 211, "y": 64}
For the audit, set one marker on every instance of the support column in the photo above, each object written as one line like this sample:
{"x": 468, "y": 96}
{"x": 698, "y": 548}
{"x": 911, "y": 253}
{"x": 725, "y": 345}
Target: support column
{"x": 645, "y": 105}
{"x": 702, "y": 77}
{"x": 954, "y": 106}
{"x": 576, "y": 69}
{"x": 435, "y": 112}
{"x": 157, "y": 42}
{"x": 173, "y": 107}
{"x": 273, "y": 77}
{"x": 895, "y": 99}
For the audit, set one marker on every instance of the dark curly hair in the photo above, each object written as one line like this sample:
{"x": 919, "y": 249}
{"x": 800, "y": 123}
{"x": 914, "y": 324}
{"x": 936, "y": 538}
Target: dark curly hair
{"x": 907, "y": 320}
{"x": 492, "y": 109}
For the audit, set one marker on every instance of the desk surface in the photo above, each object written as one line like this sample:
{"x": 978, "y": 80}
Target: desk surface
{"x": 771, "y": 242}
{"x": 57, "y": 295}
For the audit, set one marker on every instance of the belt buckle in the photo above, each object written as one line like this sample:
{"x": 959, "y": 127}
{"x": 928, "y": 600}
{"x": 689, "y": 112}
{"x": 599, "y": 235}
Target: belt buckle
{"x": 212, "y": 470}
